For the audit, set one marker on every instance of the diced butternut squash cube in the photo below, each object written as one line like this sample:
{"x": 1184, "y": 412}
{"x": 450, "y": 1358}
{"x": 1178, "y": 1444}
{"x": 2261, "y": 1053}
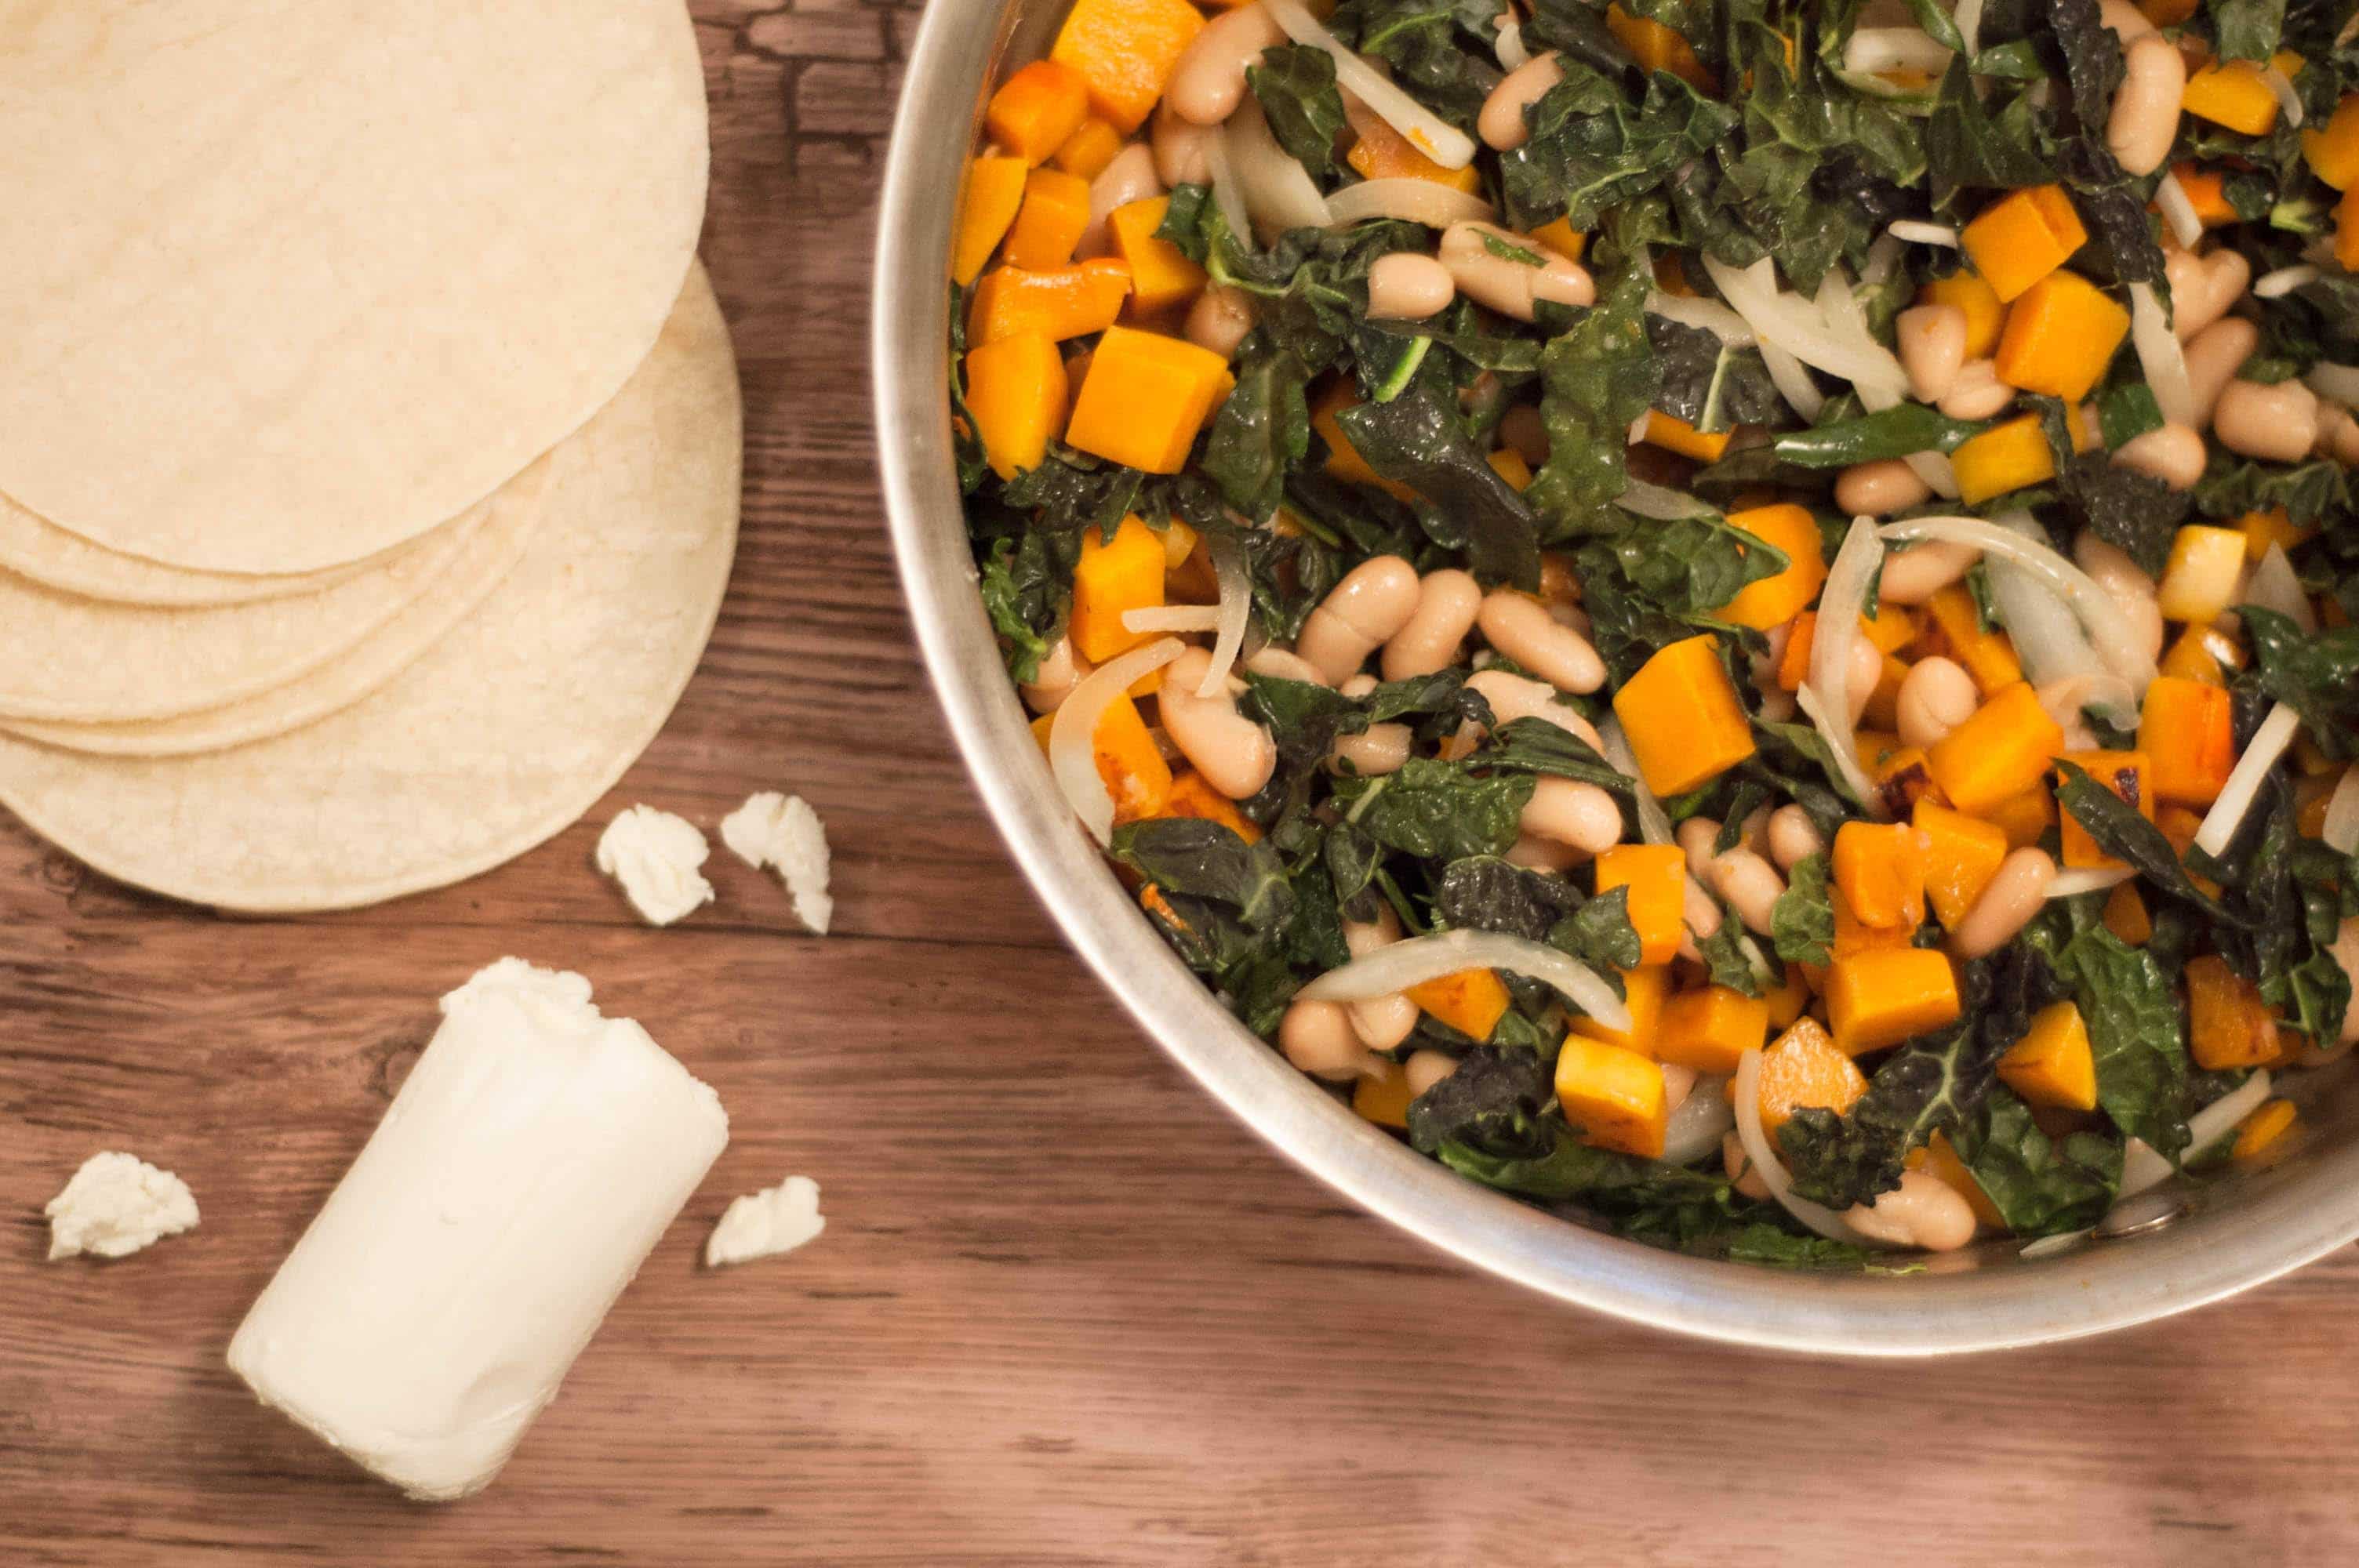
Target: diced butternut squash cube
{"x": 2061, "y": 336}
{"x": 1902, "y": 775}
{"x": 1987, "y": 654}
{"x": 1056, "y": 210}
{"x": 1037, "y": 110}
{"x": 2205, "y": 569}
{"x": 1088, "y": 150}
{"x": 1644, "y": 990}
{"x": 2207, "y": 192}
{"x": 1016, "y": 392}
{"x": 2025, "y": 819}
{"x": 1803, "y": 1069}
{"x": 1472, "y": 1001}
{"x": 1794, "y": 665}
{"x": 1853, "y": 934}
{"x": 1681, "y": 714}
{"x": 1114, "y": 577}
{"x": 1383, "y": 1097}
{"x": 1614, "y": 1096}
{"x": 1789, "y": 998}
{"x": 2272, "y": 526}
{"x": 2260, "y": 1137}
{"x": 1656, "y": 877}
{"x": 1383, "y": 153}
{"x": 1880, "y": 870}
{"x": 2052, "y": 1065}
{"x": 2022, "y": 237}
{"x": 993, "y": 191}
{"x": 1191, "y": 796}
{"x": 1891, "y": 628}
{"x": 2125, "y": 915}
{"x": 2187, "y": 731}
{"x": 1559, "y": 235}
{"x": 2124, "y": 773}
{"x": 1676, "y": 435}
{"x": 2332, "y": 150}
{"x": 1063, "y": 302}
{"x": 2202, "y": 653}
{"x": 2002, "y": 458}
{"x": 1129, "y": 761}
{"x": 1774, "y": 601}
{"x": 2228, "y": 1025}
{"x": 1124, "y": 51}
{"x": 1962, "y": 855}
{"x": 1161, "y": 276}
{"x": 1985, "y": 313}
{"x": 1344, "y": 460}
{"x": 1658, "y": 48}
{"x": 1145, "y": 398}
{"x": 1710, "y": 1030}
{"x": 1879, "y": 998}
{"x": 2003, "y": 750}
{"x": 2233, "y": 93}
{"x": 1509, "y": 465}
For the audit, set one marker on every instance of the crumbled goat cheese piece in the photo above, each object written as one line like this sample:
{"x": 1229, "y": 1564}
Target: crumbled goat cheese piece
{"x": 784, "y": 833}
{"x": 117, "y": 1205}
{"x": 765, "y": 1224}
{"x": 658, "y": 859}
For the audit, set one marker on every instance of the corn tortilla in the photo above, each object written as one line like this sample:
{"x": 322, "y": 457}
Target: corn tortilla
{"x": 504, "y": 732}
{"x": 35, "y": 548}
{"x": 286, "y": 284}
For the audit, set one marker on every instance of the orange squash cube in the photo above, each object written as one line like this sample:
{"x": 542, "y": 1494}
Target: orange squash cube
{"x": 1774, "y": 601}
{"x": 2228, "y": 1025}
{"x": 2124, "y": 773}
{"x": 1015, "y": 392}
{"x": 2022, "y": 237}
{"x": 2052, "y": 1065}
{"x": 1472, "y": 1001}
{"x": 1681, "y": 714}
{"x": 1987, "y": 655}
{"x": 1644, "y": 990}
{"x": 1113, "y": 577}
{"x": 1658, "y": 48}
{"x": 1038, "y": 108}
{"x": 2186, "y": 733}
{"x": 1656, "y": 876}
{"x": 1383, "y": 153}
{"x": 1879, "y": 998}
{"x": 2002, "y": 458}
{"x": 1145, "y": 398}
{"x": 2061, "y": 336}
{"x": 1676, "y": 435}
{"x": 1803, "y": 1069}
{"x": 1063, "y": 302}
{"x": 1161, "y": 276}
{"x": 1344, "y": 460}
{"x": 1056, "y": 210}
{"x": 2003, "y": 750}
{"x": 1710, "y": 1030}
{"x": 1088, "y": 150}
{"x": 1383, "y": 1097}
{"x": 1129, "y": 761}
{"x": 987, "y": 205}
{"x": 1124, "y": 51}
{"x": 1614, "y": 1096}
{"x": 1985, "y": 313}
{"x": 1191, "y": 796}
{"x": 2125, "y": 915}
{"x": 1880, "y": 870}
{"x": 1962, "y": 855}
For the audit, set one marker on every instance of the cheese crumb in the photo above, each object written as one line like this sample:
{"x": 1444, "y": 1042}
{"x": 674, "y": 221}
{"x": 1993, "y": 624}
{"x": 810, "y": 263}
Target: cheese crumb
{"x": 117, "y": 1205}
{"x": 658, "y": 859}
{"x": 765, "y": 1224}
{"x": 783, "y": 832}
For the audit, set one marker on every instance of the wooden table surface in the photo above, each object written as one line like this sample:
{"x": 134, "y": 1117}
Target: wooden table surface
{"x": 1065, "y": 1312}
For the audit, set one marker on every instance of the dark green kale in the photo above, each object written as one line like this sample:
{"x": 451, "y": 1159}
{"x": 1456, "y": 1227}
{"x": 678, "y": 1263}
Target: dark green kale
{"x": 1295, "y": 84}
{"x": 1803, "y": 922}
{"x": 1598, "y": 376}
{"x": 2040, "y": 1187}
{"x": 1896, "y": 432}
{"x": 1262, "y": 429}
{"x": 1416, "y": 440}
{"x": 1710, "y": 385}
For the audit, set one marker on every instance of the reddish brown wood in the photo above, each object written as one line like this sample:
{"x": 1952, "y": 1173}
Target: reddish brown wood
{"x": 1065, "y": 1311}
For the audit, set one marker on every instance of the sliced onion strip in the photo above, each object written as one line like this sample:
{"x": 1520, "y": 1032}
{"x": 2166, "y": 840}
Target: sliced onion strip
{"x": 1792, "y": 382}
{"x": 2280, "y": 84}
{"x": 1825, "y": 695}
{"x": 1278, "y": 192}
{"x": 1874, "y": 50}
{"x": 1654, "y": 823}
{"x": 2143, "y": 1168}
{"x": 1171, "y": 618}
{"x": 2109, "y": 630}
{"x": 2274, "y": 585}
{"x": 1817, "y": 1216}
{"x": 2178, "y": 211}
{"x": 1401, "y": 965}
{"x": 2049, "y": 639}
{"x": 1418, "y": 201}
{"x": 1226, "y": 196}
{"x": 2089, "y": 879}
{"x": 1435, "y": 137}
{"x": 1072, "y": 735}
{"x": 1968, "y": 18}
{"x": 1698, "y": 1126}
{"x": 2284, "y": 281}
{"x": 1921, "y": 234}
{"x": 1795, "y": 325}
{"x": 1659, "y": 502}
{"x": 1733, "y": 330}
{"x": 1513, "y": 55}
{"x": 2160, "y": 355}
{"x": 1234, "y": 613}
{"x": 2244, "y": 786}
{"x": 2340, "y": 828}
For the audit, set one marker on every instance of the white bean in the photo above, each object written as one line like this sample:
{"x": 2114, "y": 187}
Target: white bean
{"x": 1060, "y": 671}
{"x": 1182, "y": 151}
{"x": 1695, "y": 838}
{"x": 1384, "y": 1021}
{"x": 1521, "y": 628}
{"x": 1208, "y": 81}
{"x": 2203, "y": 288}
{"x": 2212, "y": 361}
{"x": 1937, "y": 697}
{"x": 1358, "y": 686}
{"x": 1427, "y": 1068}
{"x": 1749, "y": 885}
{"x": 2144, "y": 117}
{"x": 1235, "y": 755}
{"x": 1358, "y": 616}
{"x": 1574, "y": 813}
{"x": 2171, "y": 453}
{"x": 2346, "y": 954}
{"x": 1318, "y": 1038}
{"x": 2127, "y": 22}
{"x": 1915, "y": 574}
{"x": 1699, "y": 911}
{"x": 1446, "y": 604}
{"x": 1793, "y": 837}
{"x": 1679, "y": 1082}
{"x": 1534, "y": 853}
{"x": 1923, "y": 1211}
{"x": 1220, "y": 319}
{"x": 1513, "y": 696}
{"x": 2338, "y": 434}
{"x": 1501, "y": 123}
{"x": 1881, "y": 488}
{"x": 1130, "y": 177}
{"x": 1932, "y": 343}
{"x": 2275, "y": 423}
{"x": 1977, "y": 394}
{"x": 1377, "y": 750}
{"x": 1507, "y": 284}
{"x": 1278, "y": 664}
{"x": 2015, "y": 892}
{"x": 1407, "y": 286}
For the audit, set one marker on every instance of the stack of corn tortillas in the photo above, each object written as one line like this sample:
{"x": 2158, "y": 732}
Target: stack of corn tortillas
{"x": 370, "y": 439}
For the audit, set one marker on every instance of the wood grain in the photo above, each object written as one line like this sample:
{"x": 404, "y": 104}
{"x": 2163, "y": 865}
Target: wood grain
{"x": 1065, "y": 1311}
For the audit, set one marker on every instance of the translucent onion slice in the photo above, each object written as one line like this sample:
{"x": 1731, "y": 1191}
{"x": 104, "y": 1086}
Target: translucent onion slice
{"x": 1435, "y": 137}
{"x": 1655, "y": 501}
{"x": 1883, "y": 253}
{"x": 1795, "y": 325}
{"x": 2160, "y": 355}
{"x": 1968, "y": 18}
{"x": 2288, "y": 101}
{"x": 1279, "y": 192}
{"x": 1513, "y": 55}
{"x": 1171, "y": 618}
{"x": 1817, "y": 1216}
{"x": 2142, "y": 1168}
{"x": 2091, "y": 879}
{"x": 1234, "y": 615}
{"x": 2340, "y": 829}
{"x": 2178, "y": 211}
{"x": 1885, "y": 385}
{"x": 1825, "y": 695}
{"x": 2109, "y": 630}
{"x": 1654, "y": 823}
{"x": 1921, "y": 234}
{"x": 2236, "y": 796}
{"x": 1417, "y": 201}
{"x": 1733, "y": 330}
{"x": 2048, "y": 638}
{"x": 1792, "y": 382}
{"x": 1226, "y": 196}
{"x": 1698, "y": 1126}
{"x": 2284, "y": 281}
{"x": 1421, "y": 958}
{"x": 2339, "y": 383}
{"x": 2274, "y": 585}
{"x": 1072, "y": 735}
{"x": 1874, "y": 50}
